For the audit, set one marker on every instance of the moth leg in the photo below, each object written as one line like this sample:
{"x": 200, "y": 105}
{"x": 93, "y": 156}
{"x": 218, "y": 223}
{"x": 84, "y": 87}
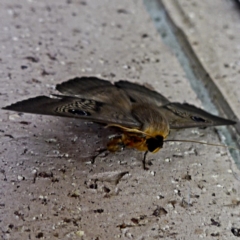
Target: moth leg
{"x": 115, "y": 144}
{"x": 144, "y": 161}
{"x": 99, "y": 152}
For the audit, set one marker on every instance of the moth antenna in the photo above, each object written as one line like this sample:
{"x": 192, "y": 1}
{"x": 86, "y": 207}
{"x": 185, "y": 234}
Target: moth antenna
{"x": 205, "y": 143}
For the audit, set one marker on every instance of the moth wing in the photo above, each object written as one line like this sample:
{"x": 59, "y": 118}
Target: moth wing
{"x": 95, "y": 89}
{"x": 86, "y": 109}
{"x": 80, "y": 86}
{"x": 141, "y": 94}
{"x": 187, "y": 116}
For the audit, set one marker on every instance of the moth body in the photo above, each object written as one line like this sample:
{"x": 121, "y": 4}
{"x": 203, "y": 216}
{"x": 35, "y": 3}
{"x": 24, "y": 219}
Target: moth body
{"x": 149, "y": 137}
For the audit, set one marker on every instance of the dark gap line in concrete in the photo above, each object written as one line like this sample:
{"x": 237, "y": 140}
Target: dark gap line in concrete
{"x": 205, "y": 88}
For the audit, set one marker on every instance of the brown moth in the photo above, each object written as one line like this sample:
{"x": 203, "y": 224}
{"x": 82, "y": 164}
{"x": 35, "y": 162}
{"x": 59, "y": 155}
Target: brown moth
{"x": 144, "y": 117}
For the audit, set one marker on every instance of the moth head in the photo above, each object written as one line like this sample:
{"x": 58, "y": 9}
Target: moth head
{"x": 154, "y": 144}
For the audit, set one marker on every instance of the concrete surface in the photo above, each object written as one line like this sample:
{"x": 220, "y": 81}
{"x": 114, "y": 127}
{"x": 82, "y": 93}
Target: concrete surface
{"x": 49, "y": 188}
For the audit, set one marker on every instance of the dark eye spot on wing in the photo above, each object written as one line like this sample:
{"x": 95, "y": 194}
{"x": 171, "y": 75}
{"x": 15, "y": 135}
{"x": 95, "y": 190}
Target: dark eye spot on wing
{"x": 132, "y": 99}
{"x": 80, "y": 107}
{"x": 197, "y": 119}
{"x": 79, "y": 112}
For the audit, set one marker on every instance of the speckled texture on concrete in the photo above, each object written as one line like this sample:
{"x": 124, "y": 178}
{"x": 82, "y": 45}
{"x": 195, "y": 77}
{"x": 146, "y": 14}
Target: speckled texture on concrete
{"x": 49, "y": 188}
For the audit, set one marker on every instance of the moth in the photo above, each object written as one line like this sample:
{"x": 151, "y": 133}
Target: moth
{"x": 143, "y": 116}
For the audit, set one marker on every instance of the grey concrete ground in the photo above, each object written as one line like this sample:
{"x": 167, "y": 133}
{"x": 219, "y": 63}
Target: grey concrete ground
{"x": 49, "y": 188}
